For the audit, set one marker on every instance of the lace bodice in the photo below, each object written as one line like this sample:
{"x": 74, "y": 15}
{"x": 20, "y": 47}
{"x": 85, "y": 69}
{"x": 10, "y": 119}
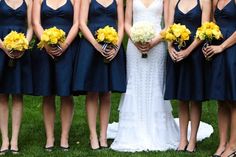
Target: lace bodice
{"x": 153, "y": 13}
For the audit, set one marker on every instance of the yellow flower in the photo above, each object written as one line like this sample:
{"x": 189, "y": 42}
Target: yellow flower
{"x": 209, "y": 31}
{"x": 52, "y": 36}
{"x": 15, "y": 41}
{"x": 107, "y": 35}
{"x": 176, "y": 33}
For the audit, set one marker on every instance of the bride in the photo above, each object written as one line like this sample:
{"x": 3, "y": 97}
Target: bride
{"x": 145, "y": 121}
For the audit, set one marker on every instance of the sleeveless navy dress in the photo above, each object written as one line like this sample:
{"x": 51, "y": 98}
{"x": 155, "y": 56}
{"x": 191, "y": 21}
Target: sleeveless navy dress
{"x": 185, "y": 80}
{"x": 17, "y": 79}
{"x": 91, "y": 73}
{"x": 223, "y": 66}
{"x": 52, "y": 77}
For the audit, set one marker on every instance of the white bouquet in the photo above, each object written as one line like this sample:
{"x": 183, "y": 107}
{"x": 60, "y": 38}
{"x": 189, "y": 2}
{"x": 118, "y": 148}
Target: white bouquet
{"x": 142, "y": 32}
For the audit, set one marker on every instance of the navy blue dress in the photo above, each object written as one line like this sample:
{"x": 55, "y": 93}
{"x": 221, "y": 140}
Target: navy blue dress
{"x": 223, "y": 66}
{"x": 17, "y": 79}
{"x": 91, "y": 73}
{"x": 52, "y": 77}
{"x": 185, "y": 80}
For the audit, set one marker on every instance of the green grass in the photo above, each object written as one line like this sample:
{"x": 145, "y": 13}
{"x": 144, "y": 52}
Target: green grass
{"x": 32, "y": 137}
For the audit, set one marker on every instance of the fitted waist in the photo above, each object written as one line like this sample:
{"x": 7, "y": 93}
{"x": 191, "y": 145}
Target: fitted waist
{"x": 95, "y": 26}
{"x": 18, "y": 24}
{"x": 64, "y": 27}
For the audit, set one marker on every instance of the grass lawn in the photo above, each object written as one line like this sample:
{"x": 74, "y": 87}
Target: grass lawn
{"x": 32, "y": 137}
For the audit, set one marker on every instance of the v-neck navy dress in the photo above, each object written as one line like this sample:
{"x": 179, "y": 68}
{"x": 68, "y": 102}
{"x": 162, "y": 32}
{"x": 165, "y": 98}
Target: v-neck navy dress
{"x": 222, "y": 71}
{"x": 16, "y": 79}
{"x": 91, "y": 73}
{"x": 186, "y": 79}
{"x": 52, "y": 77}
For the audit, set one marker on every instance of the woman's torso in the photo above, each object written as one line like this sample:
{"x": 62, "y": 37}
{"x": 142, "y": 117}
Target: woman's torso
{"x": 192, "y": 19}
{"x": 101, "y": 16}
{"x": 12, "y": 19}
{"x": 61, "y": 17}
{"x": 226, "y": 18}
{"x": 152, "y": 13}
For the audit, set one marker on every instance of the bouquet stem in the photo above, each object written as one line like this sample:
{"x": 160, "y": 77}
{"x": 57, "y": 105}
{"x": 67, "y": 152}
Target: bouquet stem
{"x": 144, "y": 55}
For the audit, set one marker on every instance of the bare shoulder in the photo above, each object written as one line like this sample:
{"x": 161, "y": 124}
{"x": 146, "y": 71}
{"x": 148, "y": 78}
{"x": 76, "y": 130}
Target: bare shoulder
{"x": 120, "y": 1}
{"x": 28, "y": 2}
{"x": 206, "y": 1}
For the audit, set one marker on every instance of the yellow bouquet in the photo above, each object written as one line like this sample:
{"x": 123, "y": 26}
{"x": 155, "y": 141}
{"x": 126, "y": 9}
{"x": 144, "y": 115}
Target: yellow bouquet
{"x": 108, "y": 36}
{"x": 52, "y": 36}
{"x": 178, "y": 34}
{"x": 208, "y": 32}
{"x": 15, "y": 41}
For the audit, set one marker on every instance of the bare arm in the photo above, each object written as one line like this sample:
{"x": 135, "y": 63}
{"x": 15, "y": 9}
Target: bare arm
{"x": 38, "y": 29}
{"x": 170, "y": 21}
{"x": 29, "y": 33}
{"x": 84, "y": 28}
{"x": 75, "y": 27}
{"x": 166, "y": 4}
{"x": 120, "y": 13}
{"x": 206, "y": 16}
{"x": 158, "y": 37}
{"x": 128, "y": 16}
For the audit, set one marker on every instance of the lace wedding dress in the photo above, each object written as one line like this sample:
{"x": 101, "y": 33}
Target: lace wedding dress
{"x": 145, "y": 120}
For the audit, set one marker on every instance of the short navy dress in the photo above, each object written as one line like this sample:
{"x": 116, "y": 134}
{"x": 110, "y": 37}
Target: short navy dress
{"x": 223, "y": 66}
{"x": 16, "y": 79}
{"x": 54, "y": 77}
{"x": 186, "y": 80}
{"x": 91, "y": 73}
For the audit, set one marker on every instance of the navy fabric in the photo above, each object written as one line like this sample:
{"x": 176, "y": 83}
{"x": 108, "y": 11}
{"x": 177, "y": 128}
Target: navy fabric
{"x": 222, "y": 70}
{"x": 186, "y": 80}
{"x": 16, "y": 79}
{"x": 54, "y": 77}
{"x": 91, "y": 73}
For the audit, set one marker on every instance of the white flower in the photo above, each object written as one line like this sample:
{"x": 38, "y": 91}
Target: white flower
{"x": 142, "y": 32}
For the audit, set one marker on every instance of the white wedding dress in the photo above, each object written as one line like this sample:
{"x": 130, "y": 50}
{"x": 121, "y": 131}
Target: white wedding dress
{"x": 145, "y": 120}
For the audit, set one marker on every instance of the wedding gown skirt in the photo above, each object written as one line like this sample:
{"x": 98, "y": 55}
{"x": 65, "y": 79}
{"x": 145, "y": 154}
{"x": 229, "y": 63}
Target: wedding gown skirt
{"x": 145, "y": 120}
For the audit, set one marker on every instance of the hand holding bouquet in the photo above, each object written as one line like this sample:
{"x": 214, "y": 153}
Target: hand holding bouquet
{"x": 178, "y": 34}
{"x": 108, "y": 36}
{"x": 142, "y": 33}
{"x": 16, "y": 44}
{"x": 207, "y": 32}
{"x": 52, "y": 37}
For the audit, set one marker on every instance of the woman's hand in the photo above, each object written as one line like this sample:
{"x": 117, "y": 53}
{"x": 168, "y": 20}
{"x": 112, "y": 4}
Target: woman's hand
{"x": 16, "y": 54}
{"x": 182, "y": 54}
{"x": 111, "y": 53}
{"x": 212, "y": 50}
{"x": 142, "y": 47}
{"x": 51, "y": 50}
{"x": 154, "y": 42}
{"x": 99, "y": 48}
{"x": 172, "y": 53}
{"x": 8, "y": 53}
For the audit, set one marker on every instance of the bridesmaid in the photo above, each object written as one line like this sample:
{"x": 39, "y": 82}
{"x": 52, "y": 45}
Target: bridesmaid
{"x": 223, "y": 80}
{"x": 185, "y": 69}
{"x": 15, "y": 81}
{"x": 54, "y": 77}
{"x": 92, "y": 75}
